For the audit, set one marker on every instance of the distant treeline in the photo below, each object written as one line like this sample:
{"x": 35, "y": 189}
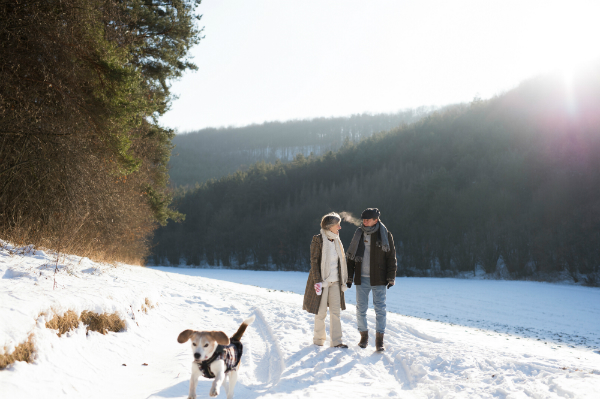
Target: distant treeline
{"x": 83, "y": 161}
{"x": 516, "y": 178}
{"x": 214, "y": 153}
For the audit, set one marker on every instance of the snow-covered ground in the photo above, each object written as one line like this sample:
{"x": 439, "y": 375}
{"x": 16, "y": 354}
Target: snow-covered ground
{"x": 459, "y": 355}
{"x": 564, "y": 314}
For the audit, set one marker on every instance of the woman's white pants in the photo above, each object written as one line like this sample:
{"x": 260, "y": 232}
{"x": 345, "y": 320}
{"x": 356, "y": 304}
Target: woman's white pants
{"x": 331, "y": 295}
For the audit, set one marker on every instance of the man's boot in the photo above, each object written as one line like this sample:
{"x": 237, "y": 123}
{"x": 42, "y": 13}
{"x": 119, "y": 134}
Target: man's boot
{"x": 379, "y": 342}
{"x": 364, "y": 339}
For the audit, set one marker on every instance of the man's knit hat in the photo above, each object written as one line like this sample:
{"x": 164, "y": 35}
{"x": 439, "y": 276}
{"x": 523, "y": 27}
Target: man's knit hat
{"x": 370, "y": 213}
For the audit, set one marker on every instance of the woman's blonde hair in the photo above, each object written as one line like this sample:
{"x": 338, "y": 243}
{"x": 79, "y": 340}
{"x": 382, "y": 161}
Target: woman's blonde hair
{"x": 331, "y": 219}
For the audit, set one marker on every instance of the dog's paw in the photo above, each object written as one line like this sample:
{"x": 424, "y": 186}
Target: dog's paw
{"x": 214, "y": 392}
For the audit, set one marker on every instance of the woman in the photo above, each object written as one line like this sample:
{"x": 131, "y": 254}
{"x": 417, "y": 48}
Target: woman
{"x": 327, "y": 281}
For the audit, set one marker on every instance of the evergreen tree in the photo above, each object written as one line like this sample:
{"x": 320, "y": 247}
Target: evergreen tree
{"x": 83, "y": 161}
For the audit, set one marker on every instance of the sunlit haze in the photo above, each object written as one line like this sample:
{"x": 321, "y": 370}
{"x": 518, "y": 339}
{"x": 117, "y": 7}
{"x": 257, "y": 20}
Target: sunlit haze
{"x": 278, "y": 60}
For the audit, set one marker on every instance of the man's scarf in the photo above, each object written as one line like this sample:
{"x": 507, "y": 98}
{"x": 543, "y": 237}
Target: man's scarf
{"x": 356, "y": 250}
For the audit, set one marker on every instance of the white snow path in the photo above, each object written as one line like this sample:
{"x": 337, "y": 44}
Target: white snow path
{"x": 425, "y": 359}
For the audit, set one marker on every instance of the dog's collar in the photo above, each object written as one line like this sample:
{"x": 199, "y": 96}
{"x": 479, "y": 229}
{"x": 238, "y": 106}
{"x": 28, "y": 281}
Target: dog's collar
{"x": 204, "y": 366}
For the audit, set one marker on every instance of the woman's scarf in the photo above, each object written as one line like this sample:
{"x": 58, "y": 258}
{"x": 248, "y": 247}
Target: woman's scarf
{"x": 356, "y": 250}
{"x": 339, "y": 248}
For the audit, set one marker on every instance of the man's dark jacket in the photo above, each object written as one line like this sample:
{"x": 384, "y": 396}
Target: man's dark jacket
{"x": 383, "y": 264}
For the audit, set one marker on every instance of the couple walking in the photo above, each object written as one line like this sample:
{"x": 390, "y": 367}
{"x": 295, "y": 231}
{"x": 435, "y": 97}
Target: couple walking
{"x": 370, "y": 263}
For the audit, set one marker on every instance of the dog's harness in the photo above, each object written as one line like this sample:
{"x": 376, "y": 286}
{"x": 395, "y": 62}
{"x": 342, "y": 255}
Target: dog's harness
{"x": 231, "y": 354}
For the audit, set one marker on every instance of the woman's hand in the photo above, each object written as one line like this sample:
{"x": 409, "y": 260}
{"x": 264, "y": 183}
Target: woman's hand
{"x": 319, "y": 288}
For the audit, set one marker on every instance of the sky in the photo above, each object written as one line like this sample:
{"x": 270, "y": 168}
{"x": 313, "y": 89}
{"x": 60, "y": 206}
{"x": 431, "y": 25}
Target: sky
{"x": 268, "y": 60}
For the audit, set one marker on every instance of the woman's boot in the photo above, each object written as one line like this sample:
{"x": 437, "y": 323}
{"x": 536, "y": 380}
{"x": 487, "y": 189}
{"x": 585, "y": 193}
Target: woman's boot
{"x": 379, "y": 342}
{"x": 364, "y": 339}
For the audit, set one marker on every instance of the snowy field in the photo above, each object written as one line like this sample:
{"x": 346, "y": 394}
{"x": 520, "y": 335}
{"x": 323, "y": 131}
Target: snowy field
{"x": 464, "y": 354}
{"x": 565, "y": 314}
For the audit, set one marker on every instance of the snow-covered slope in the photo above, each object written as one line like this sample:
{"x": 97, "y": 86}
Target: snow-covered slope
{"x": 425, "y": 359}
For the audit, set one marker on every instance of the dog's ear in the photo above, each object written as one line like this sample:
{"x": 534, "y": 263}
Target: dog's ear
{"x": 184, "y": 336}
{"x": 220, "y": 337}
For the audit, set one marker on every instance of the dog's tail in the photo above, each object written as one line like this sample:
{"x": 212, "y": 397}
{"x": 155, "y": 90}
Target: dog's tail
{"x": 238, "y": 334}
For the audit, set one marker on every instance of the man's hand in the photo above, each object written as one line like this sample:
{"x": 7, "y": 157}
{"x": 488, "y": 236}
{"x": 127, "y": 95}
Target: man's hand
{"x": 349, "y": 284}
{"x": 390, "y": 284}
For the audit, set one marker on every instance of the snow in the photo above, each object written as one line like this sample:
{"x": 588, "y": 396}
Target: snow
{"x": 565, "y": 314}
{"x": 458, "y": 356}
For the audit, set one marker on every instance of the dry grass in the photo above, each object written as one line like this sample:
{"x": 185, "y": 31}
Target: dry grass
{"x": 23, "y": 353}
{"x": 67, "y": 322}
{"x": 102, "y": 322}
{"x": 147, "y": 306}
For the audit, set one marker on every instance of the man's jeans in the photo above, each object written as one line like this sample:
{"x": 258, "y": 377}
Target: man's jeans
{"x": 362, "y": 304}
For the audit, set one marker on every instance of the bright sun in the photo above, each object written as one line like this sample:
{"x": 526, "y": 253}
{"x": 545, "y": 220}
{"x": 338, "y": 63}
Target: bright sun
{"x": 570, "y": 33}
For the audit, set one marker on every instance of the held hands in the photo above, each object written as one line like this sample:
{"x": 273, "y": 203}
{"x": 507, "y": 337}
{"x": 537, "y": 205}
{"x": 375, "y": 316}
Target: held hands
{"x": 319, "y": 288}
{"x": 390, "y": 284}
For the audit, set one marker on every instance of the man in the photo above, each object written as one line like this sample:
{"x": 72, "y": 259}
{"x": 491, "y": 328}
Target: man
{"x": 372, "y": 266}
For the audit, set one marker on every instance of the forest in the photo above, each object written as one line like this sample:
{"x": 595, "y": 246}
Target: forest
{"x": 510, "y": 184}
{"x": 213, "y": 153}
{"x": 83, "y": 159}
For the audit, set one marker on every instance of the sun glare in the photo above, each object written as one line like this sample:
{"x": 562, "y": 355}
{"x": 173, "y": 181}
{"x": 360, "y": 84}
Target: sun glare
{"x": 565, "y": 41}
{"x": 572, "y": 36}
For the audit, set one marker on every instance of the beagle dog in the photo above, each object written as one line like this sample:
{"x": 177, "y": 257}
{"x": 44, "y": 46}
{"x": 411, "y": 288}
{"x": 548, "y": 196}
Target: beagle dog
{"x": 215, "y": 356}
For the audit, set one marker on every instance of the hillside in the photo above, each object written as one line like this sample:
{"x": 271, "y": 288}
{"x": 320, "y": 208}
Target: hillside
{"x": 508, "y": 185}
{"x": 213, "y": 153}
{"x": 426, "y": 356}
